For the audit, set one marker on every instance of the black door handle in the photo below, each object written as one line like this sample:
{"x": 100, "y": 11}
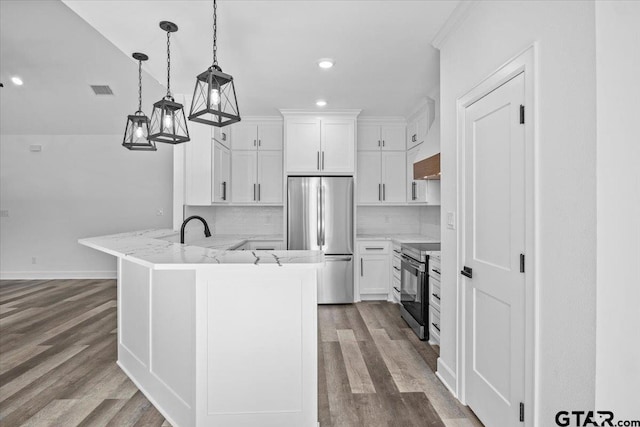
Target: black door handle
{"x": 467, "y": 271}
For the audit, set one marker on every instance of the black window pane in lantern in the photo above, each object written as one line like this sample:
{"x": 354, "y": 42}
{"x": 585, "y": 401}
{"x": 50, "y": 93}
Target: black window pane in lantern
{"x": 168, "y": 123}
{"x": 136, "y": 132}
{"x": 214, "y": 99}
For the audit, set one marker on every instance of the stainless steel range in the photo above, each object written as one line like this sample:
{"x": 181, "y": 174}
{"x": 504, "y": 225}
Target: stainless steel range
{"x": 414, "y": 285}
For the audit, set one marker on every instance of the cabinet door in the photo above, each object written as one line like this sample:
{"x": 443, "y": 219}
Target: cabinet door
{"x": 393, "y": 137}
{"x": 270, "y": 177}
{"x": 369, "y": 137}
{"x": 337, "y": 146}
{"x": 422, "y": 126}
{"x": 303, "y": 145}
{"x": 433, "y": 192}
{"x": 244, "y": 169}
{"x": 198, "y": 165}
{"x": 223, "y": 135}
{"x": 416, "y": 189}
{"x": 245, "y": 136}
{"x": 374, "y": 274}
{"x": 412, "y": 136}
{"x": 369, "y": 178}
{"x": 393, "y": 176}
{"x": 270, "y": 136}
{"x": 221, "y": 173}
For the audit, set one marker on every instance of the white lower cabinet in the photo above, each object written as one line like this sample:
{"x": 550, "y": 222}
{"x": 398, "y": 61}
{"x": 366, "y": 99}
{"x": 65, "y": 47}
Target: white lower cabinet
{"x": 256, "y": 177}
{"x": 373, "y": 274}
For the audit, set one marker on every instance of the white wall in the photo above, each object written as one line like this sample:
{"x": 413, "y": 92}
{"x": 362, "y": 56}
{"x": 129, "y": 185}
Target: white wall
{"x": 493, "y": 33}
{"x": 77, "y": 186}
{"x": 618, "y": 171}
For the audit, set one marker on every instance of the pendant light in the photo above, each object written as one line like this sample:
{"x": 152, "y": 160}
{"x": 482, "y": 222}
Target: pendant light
{"x": 137, "y": 130}
{"x": 168, "y": 123}
{"x": 214, "y": 97}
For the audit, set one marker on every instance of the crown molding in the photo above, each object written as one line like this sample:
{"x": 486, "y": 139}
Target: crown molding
{"x": 458, "y": 15}
{"x": 324, "y": 113}
{"x": 384, "y": 119}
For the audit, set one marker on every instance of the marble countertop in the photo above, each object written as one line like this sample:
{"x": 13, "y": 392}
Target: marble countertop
{"x": 400, "y": 238}
{"x": 160, "y": 249}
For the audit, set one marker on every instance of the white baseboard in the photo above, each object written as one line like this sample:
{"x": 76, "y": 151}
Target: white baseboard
{"x": 45, "y": 275}
{"x": 447, "y": 376}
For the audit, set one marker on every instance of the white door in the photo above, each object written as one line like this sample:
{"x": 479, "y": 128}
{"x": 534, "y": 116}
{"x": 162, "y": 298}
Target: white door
{"x": 369, "y": 179}
{"x": 393, "y": 176}
{"x": 393, "y": 137}
{"x": 303, "y": 145}
{"x": 494, "y": 230}
{"x": 369, "y": 136}
{"x": 244, "y": 169}
{"x": 270, "y": 176}
{"x": 374, "y": 274}
{"x": 270, "y": 136}
{"x": 245, "y": 136}
{"x": 338, "y": 146}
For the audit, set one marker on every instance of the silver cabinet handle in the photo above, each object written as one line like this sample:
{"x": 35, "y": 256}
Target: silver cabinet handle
{"x": 373, "y": 248}
{"x": 435, "y": 325}
{"x": 384, "y": 192}
{"x": 259, "y": 143}
{"x": 413, "y": 190}
{"x": 224, "y": 190}
{"x": 383, "y": 142}
{"x": 318, "y": 160}
{"x": 323, "y": 160}
{"x": 254, "y": 142}
{"x": 397, "y": 290}
{"x": 378, "y": 143}
{"x": 437, "y": 296}
{"x": 258, "y": 192}
{"x": 435, "y": 270}
{"x": 396, "y": 268}
{"x": 361, "y": 268}
{"x": 380, "y": 192}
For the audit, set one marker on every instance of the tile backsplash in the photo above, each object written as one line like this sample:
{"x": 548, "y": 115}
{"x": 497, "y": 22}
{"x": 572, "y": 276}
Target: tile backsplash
{"x": 398, "y": 220}
{"x": 240, "y": 219}
{"x": 258, "y": 220}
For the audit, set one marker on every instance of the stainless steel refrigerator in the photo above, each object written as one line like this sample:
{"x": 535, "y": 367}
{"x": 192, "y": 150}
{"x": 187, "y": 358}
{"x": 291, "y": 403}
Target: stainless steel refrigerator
{"x": 320, "y": 217}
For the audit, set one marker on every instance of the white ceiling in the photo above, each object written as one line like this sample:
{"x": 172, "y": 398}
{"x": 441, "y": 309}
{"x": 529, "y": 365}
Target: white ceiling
{"x": 385, "y": 63}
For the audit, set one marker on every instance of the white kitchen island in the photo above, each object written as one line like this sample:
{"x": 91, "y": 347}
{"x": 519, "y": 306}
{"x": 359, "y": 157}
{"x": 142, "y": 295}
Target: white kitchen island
{"x": 215, "y": 337}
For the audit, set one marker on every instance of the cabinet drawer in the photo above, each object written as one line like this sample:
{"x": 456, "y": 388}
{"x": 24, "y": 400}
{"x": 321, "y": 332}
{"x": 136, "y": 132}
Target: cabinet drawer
{"x": 434, "y": 291}
{"x": 395, "y": 290}
{"x": 434, "y": 326}
{"x": 373, "y": 247}
{"x": 434, "y": 268}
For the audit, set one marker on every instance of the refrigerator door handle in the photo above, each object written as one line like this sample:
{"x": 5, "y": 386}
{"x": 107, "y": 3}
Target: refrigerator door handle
{"x": 319, "y": 218}
{"x": 323, "y": 211}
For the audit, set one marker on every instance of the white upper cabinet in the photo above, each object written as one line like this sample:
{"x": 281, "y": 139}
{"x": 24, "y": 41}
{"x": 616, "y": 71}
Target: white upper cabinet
{"x": 256, "y": 176}
{"x": 416, "y": 189}
{"x": 319, "y": 145}
{"x": 393, "y": 177}
{"x": 257, "y": 136}
{"x": 302, "y": 150}
{"x": 221, "y": 173}
{"x": 337, "y": 153}
{"x": 198, "y": 161}
{"x": 419, "y": 123}
{"x": 222, "y": 135}
{"x": 373, "y": 136}
{"x": 381, "y": 177}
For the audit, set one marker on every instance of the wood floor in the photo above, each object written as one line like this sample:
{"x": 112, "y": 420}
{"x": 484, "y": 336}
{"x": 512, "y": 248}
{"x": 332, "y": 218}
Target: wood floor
{"x": 58, "y": 353}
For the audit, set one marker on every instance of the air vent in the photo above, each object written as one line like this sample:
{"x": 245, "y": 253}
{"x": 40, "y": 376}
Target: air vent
{"x": 101, "y": 90}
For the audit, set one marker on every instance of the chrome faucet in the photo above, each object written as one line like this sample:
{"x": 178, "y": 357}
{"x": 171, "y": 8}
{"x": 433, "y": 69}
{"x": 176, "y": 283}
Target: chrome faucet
{"x": 207, "y": 232}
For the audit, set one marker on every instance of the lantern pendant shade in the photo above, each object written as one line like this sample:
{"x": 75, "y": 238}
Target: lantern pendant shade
{"x": 136, "y": 133}
{"x": 168, "y": 123}
{"x": 214, "y": 99}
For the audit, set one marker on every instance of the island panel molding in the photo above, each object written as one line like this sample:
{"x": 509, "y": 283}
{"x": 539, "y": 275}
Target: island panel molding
{"x": 202, "y": 360}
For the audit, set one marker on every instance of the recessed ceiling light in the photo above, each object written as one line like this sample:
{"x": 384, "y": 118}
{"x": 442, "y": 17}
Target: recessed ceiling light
{"x": 321, "y": 103}
{"x": 326, "y": 63}
{"x": 17, "y": 81}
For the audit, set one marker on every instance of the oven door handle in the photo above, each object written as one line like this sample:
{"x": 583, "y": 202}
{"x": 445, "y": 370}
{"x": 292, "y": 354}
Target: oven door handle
{"x": 412, "y": 263}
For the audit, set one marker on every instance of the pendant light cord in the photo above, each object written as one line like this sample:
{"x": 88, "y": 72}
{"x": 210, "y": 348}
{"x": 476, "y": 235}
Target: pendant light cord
{"x": 215, "y": 33}
{"x": 168, "y": 64}
{"x": 139, "y": 86}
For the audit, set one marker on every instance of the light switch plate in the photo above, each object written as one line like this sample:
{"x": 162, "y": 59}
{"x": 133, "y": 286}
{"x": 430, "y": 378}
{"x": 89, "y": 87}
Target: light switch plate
{"x": 451, "y": 220}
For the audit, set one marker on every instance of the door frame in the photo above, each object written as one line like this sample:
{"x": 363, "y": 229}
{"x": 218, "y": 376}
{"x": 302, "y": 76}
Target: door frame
{"x": 523, "y": 62}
